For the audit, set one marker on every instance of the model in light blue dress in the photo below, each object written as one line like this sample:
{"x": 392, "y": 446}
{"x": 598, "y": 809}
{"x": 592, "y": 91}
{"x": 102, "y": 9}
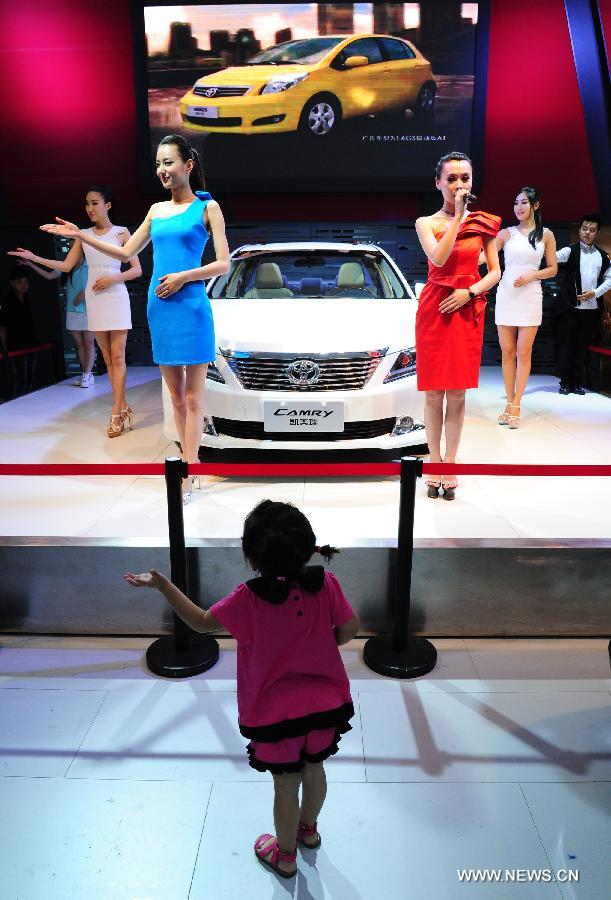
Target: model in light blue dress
{"x": 181, "y": 325}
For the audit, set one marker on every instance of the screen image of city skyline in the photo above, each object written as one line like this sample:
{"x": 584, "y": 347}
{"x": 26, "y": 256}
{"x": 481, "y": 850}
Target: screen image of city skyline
{"x": 267, "y": 20}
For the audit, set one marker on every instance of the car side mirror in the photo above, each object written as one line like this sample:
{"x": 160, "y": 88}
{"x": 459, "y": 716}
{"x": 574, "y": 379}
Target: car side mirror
{"x": 355, "y": 62}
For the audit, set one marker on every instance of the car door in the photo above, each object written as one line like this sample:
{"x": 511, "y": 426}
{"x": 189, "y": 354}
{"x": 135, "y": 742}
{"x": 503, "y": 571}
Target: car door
{"x": 403, "y": 73}
{"x": 360, "y": 90}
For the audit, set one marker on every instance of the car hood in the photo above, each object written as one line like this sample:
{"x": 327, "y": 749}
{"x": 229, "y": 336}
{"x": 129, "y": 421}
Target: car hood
{"x": 314, "y": 326}
{"x": 239, "y": 75}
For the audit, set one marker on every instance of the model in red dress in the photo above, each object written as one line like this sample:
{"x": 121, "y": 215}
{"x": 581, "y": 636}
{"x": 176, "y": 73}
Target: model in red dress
{"x": 450, "y": 317}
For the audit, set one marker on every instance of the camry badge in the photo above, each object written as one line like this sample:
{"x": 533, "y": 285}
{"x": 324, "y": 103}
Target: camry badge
{"x": 303, "y": 372}
{"x": 210, "y": 92}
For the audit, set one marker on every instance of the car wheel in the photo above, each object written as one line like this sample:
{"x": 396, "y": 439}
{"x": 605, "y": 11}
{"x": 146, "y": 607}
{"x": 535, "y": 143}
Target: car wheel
{"x": 424, "y": 107}
{"x": 320, "y": 117}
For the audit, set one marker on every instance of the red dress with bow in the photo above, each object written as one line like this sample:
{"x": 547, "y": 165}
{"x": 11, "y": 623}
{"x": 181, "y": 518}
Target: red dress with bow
{"x": 449, "y": 345}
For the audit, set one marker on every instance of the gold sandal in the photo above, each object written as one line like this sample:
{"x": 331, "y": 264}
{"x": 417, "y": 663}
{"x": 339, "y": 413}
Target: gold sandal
{"x": 115, "y": 426}
{"x": 433, "y": 485}
{"x": 503, "y": 419}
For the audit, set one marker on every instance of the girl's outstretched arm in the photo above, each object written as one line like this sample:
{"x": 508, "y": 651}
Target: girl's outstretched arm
{"x": 73, "y": 258}
{"x": 137, "y": 242}
{"x": 197, "y": 618}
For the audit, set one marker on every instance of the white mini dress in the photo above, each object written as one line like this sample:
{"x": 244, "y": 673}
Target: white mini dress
{"x": 110, "y": 309}
{"x": 524, "y": 305}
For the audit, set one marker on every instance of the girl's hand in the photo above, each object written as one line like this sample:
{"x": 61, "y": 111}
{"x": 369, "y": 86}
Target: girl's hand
{"x": 456, "y": 299}
{"x": 63, "y": 229}
{"x": 169, "y": 284}
{"x": 152, "y": 579}
{"x": 587, "y": 295}
{"x": 460, "y": 203}
{"x": 22, "y": 253}
{"x": 103, "y": 283}
{"x": 524, "y": 279}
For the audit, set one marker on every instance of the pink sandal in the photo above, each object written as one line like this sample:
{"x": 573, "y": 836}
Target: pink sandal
{"x": 308, "y": 831}
{"x": 263, "y": 849}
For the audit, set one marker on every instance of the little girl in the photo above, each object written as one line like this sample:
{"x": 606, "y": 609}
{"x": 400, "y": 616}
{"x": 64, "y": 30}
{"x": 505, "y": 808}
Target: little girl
{"x": 293, "y": 694}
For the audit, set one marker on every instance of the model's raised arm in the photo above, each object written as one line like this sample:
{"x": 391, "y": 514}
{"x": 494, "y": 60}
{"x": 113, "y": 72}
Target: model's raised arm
{"x": 73, "y": 258}
{"x": 137, "y": 242}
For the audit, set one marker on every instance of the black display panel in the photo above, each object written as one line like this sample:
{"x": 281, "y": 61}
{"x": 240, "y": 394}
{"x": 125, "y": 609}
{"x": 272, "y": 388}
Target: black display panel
{"x": 313, "y": 97}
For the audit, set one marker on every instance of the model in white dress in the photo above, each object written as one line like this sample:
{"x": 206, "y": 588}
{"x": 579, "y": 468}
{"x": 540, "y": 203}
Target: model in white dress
{"x": 107, "y": 310}
{"x": 520, "y": 306}
{"x": 524, "y": 305}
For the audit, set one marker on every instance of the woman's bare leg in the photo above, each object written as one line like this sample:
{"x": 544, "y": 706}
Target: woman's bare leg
{"x": 175, "y": 379}
{"x": 508, "y": 336}
{"x": 433, "y": 422}
{"x": 103, "y": 339}
{"x": 526, "y": 339}
{"x": 454, "y": 419}
{"x": 194, "y": 423}
{"x": 118, "y": 339}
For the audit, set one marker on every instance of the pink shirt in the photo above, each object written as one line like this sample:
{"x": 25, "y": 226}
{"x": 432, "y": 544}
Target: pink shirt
{"x": 289, "y": 665}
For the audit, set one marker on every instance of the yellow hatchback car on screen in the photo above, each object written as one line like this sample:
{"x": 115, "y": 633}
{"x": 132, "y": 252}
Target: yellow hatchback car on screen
{"x": 311, "y": 85}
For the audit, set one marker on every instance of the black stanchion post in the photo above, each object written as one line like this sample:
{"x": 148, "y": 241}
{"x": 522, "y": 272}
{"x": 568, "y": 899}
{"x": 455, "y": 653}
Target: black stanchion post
{"x": 398, "y": 655}
{"x": 184, "y": 653}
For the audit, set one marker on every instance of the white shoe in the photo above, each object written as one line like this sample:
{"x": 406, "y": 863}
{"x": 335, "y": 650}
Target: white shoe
{"x": 87, "y": 380}
{"x": 78, "y": 381}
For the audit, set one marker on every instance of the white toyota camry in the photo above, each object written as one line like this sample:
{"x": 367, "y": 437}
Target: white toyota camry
{"x": 315, "y": 351}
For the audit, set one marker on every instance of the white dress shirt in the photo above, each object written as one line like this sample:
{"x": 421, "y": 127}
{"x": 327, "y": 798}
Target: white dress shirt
{"x": 590, "y": 262}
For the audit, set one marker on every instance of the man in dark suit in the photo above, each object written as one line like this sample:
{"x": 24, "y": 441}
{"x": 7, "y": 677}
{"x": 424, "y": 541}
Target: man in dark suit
{"x": 587, "y": 277}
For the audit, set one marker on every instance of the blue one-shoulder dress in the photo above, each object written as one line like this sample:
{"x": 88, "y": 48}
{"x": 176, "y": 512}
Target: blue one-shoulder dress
{"x": 181, "y": 325}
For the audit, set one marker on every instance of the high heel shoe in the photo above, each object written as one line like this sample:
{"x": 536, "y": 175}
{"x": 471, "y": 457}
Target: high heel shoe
{"x": 115, "y": 426}
{"x": 449, "y": 488}
{"x": 503, "y": 419}
{"x": 514, "y": 421}
{"x": 127, "y": 414}
{"x": 432, "y": 487}
{"x": 187, "y": 495}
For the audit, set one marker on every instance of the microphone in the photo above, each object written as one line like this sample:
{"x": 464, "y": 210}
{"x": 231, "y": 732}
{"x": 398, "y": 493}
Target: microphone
{"x": 470, "y": 198}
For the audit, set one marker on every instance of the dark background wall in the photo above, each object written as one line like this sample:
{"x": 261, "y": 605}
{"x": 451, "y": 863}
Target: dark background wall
{"x": 69, "y": 116}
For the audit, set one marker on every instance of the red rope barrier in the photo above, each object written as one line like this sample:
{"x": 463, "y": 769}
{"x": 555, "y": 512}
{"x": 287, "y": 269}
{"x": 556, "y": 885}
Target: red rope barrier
{"x": 304, "y": 470}
{"x": 13, "y": 353}
{"x": 604, "y": 351}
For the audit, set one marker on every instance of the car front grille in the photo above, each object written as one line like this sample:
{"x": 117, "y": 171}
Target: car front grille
{"x": 341, "y": 372}
{"x": 352, "y": 431}
{"x": 220, "y": 91}
{"x": 228, "y": 122}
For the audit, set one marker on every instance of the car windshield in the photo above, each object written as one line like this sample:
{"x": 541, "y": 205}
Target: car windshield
{"x": 300, "y": 52}
{"x": 311, "y": 273}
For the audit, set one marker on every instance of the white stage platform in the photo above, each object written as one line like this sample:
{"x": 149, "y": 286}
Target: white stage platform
{"x": 64, "y": 424}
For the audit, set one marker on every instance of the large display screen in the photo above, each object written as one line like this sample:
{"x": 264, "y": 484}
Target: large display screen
{"x": 314, "y": 96}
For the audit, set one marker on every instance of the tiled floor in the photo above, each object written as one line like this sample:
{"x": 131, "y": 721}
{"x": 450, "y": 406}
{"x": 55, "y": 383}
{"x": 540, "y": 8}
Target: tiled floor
{"x": 65, "y": 424}
{"x": 115, "y": 783}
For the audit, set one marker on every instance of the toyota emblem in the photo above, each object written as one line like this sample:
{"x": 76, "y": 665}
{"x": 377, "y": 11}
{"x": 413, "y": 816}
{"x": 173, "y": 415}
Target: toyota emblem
{"x": 303, "y": 372}
{"x": 210, "y": 92}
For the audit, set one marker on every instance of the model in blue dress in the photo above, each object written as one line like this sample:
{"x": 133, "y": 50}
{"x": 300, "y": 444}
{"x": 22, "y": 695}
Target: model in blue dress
{"x": 180, "y": 317}
{"x": 181, "y": 325}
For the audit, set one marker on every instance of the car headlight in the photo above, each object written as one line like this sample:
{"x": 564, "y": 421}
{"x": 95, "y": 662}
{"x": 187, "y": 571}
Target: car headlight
{"x": 404, "y": 365}
{"x": 213, "y": 374}
{"x": 280, "y": 83}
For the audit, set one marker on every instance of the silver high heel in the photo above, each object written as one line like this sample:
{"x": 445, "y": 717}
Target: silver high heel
{"x": 187, "y": 495}
{"x": 127, "y": 414}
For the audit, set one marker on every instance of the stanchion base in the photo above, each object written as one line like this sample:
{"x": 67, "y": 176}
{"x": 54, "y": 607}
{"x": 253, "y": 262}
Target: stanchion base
{"x": 419, "y": 658}
{"x": 163, "y": 659}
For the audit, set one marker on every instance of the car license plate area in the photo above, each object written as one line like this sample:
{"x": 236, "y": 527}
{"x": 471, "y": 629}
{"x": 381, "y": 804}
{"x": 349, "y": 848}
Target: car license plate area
{"x": 203, "y": 112}
{"x": 303, "y": 417}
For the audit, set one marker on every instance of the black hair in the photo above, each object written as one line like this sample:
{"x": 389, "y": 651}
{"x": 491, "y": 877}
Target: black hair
{"x": 533, "y": 196}
{"x": 19, "y": 272}
{"x": 591, "y": 217}
{"x": 186, "y": 153}
{"x": 278, "y": 539}
{"x": 454, "y": 154}
{"x": 105, "y": 192}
